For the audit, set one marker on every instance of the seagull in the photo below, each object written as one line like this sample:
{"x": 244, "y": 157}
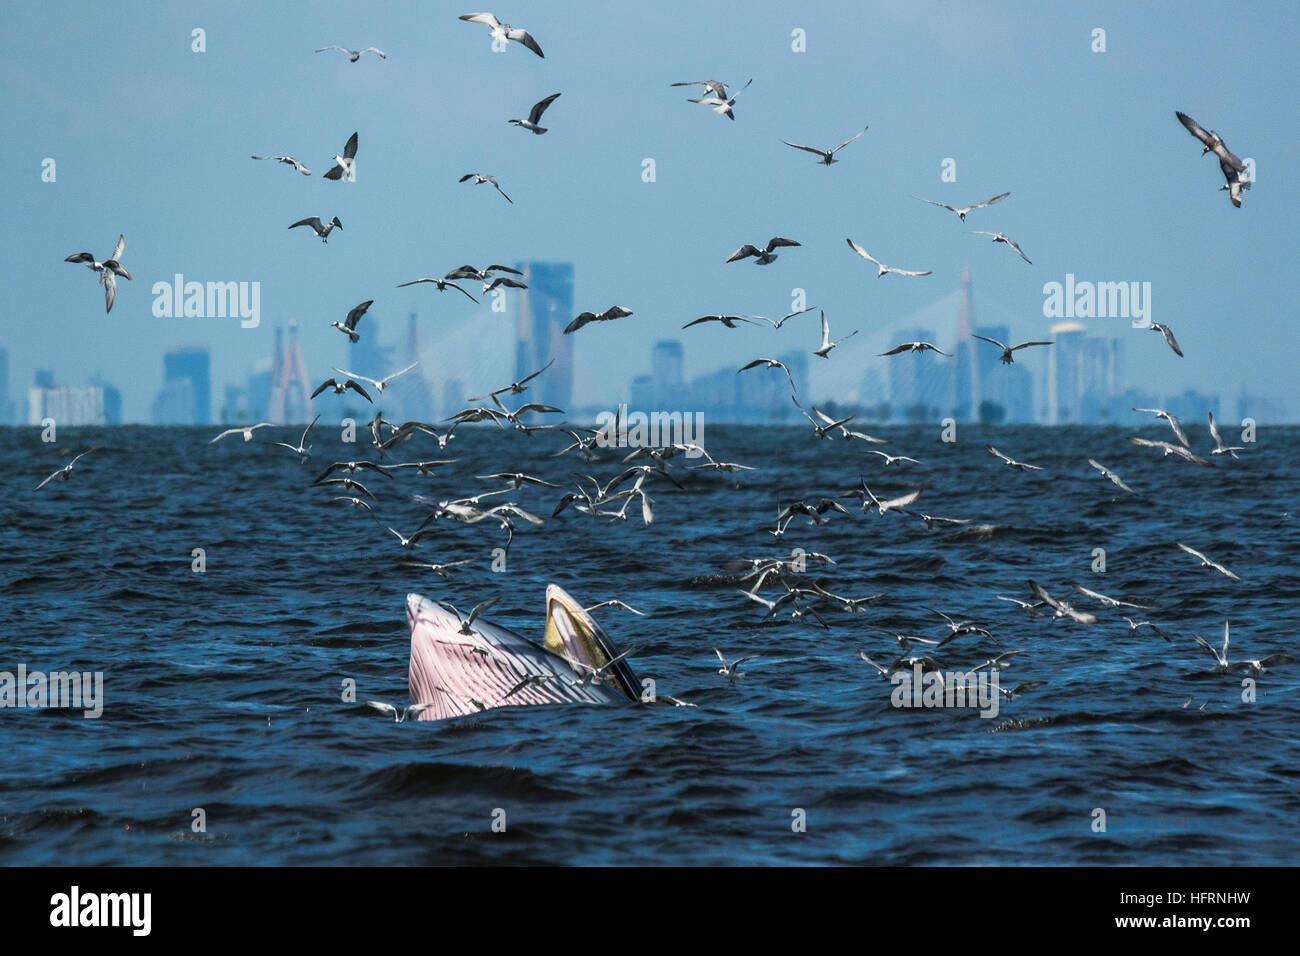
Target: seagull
{"x": 1219, "y": 447}
{"x": 1137, "y": 625}
{"x": 355, "y": 55}
{"x": 728, "y": 320}
{"x": 716, "y": 87}
{"x": 319, "y": 227}
{"x": 723, "y": 105}
{"x": 827, "y": 424}
{"x": 1170, "y": 449}
{"x": 999, "y": 237}
{"x": 1021, "y": 688}
{"x": 883, "y": 268}
{"x": 481, "y": 178}
{"x": 895, "y": 504}
{"x": 515, "y": 388}
{"x": 1007, "y": 358}
{"x": 64, "y": 473}
{"x": 302, "y": 450}
{"x": 1173, "y": 421}
{"x": 1060, "y": 607}
{"x": 354, "y": 502}
{"x": 1109, "y": 601}
{"x": 770, "y": 363}
{"x": 351, "y": 467}
{"x": 345, "y": 166}
{"x": 761, "y": 256}
{"x": 349, "y": 325}
{"x": 613, "y": 312}
{"x": 895, "y": 459}
{"x": 535, "y": 116}
{"x": 1206, "y": 562}
{"x": 288, "y": 161}
{"x": 614, "y": 603}
{"x": 481, "y": 275}
{"x": 827, "y": 155}
{"x": 442, "y": 570}
{"x": 827, "y": 344}
{"x": 961, "y": 213}
{"x": 467, "y": 622}
{"x": 1213, "y": 142}
{"x": 442, "y": 284}
{"x": 1018, "y": 465}
{"x": 399, "y": 716}
{"x": 247, "y": 432}
{"x": 108, "y": 270}
{"x": 731, "y": 671}
{"x": 503, "y": 31}
{"x": 1110, "y": 475}
{"x": 341, "y": 389}
{"x": 1220, "y": 655}
{"x": 506, "y": 281}
{"x": 379, "y": 384}
{"x": 914, "y": 347}
{"x": 1168, "y": 333}
{"x": 517, "y": 479}
{"x": 882, "y": 671}
{"x": 1234, "y": 185}
{"x": 528, "y": 681}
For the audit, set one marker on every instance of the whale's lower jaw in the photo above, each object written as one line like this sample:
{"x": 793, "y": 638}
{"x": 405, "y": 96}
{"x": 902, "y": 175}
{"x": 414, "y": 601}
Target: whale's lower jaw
{"x": 462, "y": 674}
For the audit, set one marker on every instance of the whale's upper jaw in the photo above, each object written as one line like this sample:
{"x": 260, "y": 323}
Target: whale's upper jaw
{"x": 571, "y": 632}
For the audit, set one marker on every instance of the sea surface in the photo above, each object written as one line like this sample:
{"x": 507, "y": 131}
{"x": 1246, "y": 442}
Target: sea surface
{"x": 223, "y": 690}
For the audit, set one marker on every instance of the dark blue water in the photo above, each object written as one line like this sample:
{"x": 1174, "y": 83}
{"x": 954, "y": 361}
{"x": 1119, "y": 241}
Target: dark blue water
{"x": 222, "y": 689}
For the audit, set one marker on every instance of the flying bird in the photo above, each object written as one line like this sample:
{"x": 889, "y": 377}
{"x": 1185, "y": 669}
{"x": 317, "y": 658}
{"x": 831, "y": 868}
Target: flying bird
{"x": 442, "y": 284}
{"x": 318, "y": 227}
{"x": 1018, "y": 465}
{"x": 1212, "y": 141}
{"x": 349, "y": 325}
{"x": 723, "y": 105}
{"x": 1206, "y": 562}
{"x": 247, "y": 431}
{"x": 882, "y": 267}
{"x": 64, "y": 473}
{"x": 613, "y": 312}
{"x": 1061, "y": 608}
{"x": 1219, "y": 447}
{"x": 341, "y": 389}
{"x": 761, "y": 256}
{"x": 1168, "y": 333}
{"x": 108, "y": 270}
{"x": 481, "y": 178}
{"x": 728, "y": 320}
{"x": 1110, "y": 475}
{"x": 731, "y": 671}
{"x": 515, "y": 388}
{"x": 1170, "y": 449}
{"x": 355, "y": 55}
{"x": 535, "y": 116}
{"x": 1007, "y": 358}
{"x": 388, "y": 710}
{"x": 999, "y": 237}
{"x": 715, "y": 87}
{"x": 345, "y": 166}
{"x": 827, "y": 155}
{"x": 824, "y": 350}
{"x": 501, "y": 32}
{"x": 914, "y": 347}
{"x": 302, "y": 449}
{"x": 288, "y": 161}
{"x": 961, "y": 213}
{"x": 770, "y": 363}
{"x": 1173, "y": 421}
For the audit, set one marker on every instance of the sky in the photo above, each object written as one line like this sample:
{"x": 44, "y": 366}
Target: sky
{"x": 152, "y": 140}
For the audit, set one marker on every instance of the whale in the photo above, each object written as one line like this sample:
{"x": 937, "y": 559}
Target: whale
{"x": 461, "y": 669}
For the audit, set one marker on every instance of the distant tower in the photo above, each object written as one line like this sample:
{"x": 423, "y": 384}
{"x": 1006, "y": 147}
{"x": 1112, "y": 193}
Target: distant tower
{"x": 544, "y": 309}
{"x": 412, "y": 393}
{"x": 967, "y": 393}
{"x": 289, "y": 387}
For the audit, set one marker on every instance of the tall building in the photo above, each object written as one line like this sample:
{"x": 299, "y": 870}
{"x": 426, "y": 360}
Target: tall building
{"x": 410, "y": 397}
{"x": 967, "y": 392}
{"x": 191, "y": 365}
{"x": 65, "y": 404}
{"x": 667, "y": 363}
{"x": 920, "y": 388}
{"x": 542, "y": 312}
{"x": 6, "y": 404}
{"x": 289, "y": 402}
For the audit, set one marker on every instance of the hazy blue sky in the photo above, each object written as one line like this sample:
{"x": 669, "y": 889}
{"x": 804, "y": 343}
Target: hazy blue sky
{"x": 152, "y": 140}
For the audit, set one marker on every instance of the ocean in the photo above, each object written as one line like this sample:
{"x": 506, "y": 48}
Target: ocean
{"x": 222, "y": 694}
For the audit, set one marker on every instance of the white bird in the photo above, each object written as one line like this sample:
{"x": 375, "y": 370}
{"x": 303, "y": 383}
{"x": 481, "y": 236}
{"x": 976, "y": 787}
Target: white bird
{"x": 318, "y": 227}
{"x": 761, "y": 256}
{"x": 1168, "y": 333}
{"x": 731, "y": 671}
{"x": 1110, "y": 475}
{"x": 827, "y": 155}
{"x": 247, "y": 432}
{"x": 615, "y": 603}
{"x": 64, "y": 473}
{"x": 288, "y": 161}
{"x": 1018, "y": 465}
{"x": 1110, "y": 602}
{"x": 914, "y": 347}
{"x": 399, "y": 716}
{"x": 466, "y": 623}
{"x": 1219, "y": 447}
{"x": 379, "y": 383}
{"x": 1007, "y": 358}
{"x": 892, "y": 459}
{"x": 723, "y": 105}
{"x": 770, "y": 363}
{"x": 1212, "y": 141}
{"x": 1234, "y": 185}
{"x": 1170, "y": 449}
{"x": 345, "y": 166}
{"x": 108, "y": 270}
{"x": 535, "y": 116}
{"x": 355, "y": 55}
{"x": 1173, "y": 421}
{"x": 349, "y": 325}
{"x": 961, "y": 213}
{"x": 715, "y": 87}
{"x": 1206, "y": 562}
{"x": 502, "y": 32}
{"x": 826, "y": 346}
{"x": 442, "y": 570}
{"x": 481, "y": 178}
{"x": 999, "y": 237}
{"x": 1061, "y": 608}
{"x": 1220, "y": 655}
{"x": 302, "y": 449}
{"x": 826, "y": 425}
{"x": 882, "y": 267}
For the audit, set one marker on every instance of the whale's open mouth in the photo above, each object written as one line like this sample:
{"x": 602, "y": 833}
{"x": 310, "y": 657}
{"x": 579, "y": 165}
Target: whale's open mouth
{"x": 571, "y": 633}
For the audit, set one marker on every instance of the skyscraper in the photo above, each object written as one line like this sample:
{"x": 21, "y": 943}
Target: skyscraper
{"x": 666, "y": 372}
{"x": 289, "y": 401}
{"x": 192, "y": 365}
{"x": 6, "y": 405}
{"x": 967, "y": 391}
{"x": 542, "y": 312}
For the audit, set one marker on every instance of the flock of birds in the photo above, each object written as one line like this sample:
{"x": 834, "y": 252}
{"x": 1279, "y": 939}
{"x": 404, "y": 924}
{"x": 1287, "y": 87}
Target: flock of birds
{"x": 783, "y": 586}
